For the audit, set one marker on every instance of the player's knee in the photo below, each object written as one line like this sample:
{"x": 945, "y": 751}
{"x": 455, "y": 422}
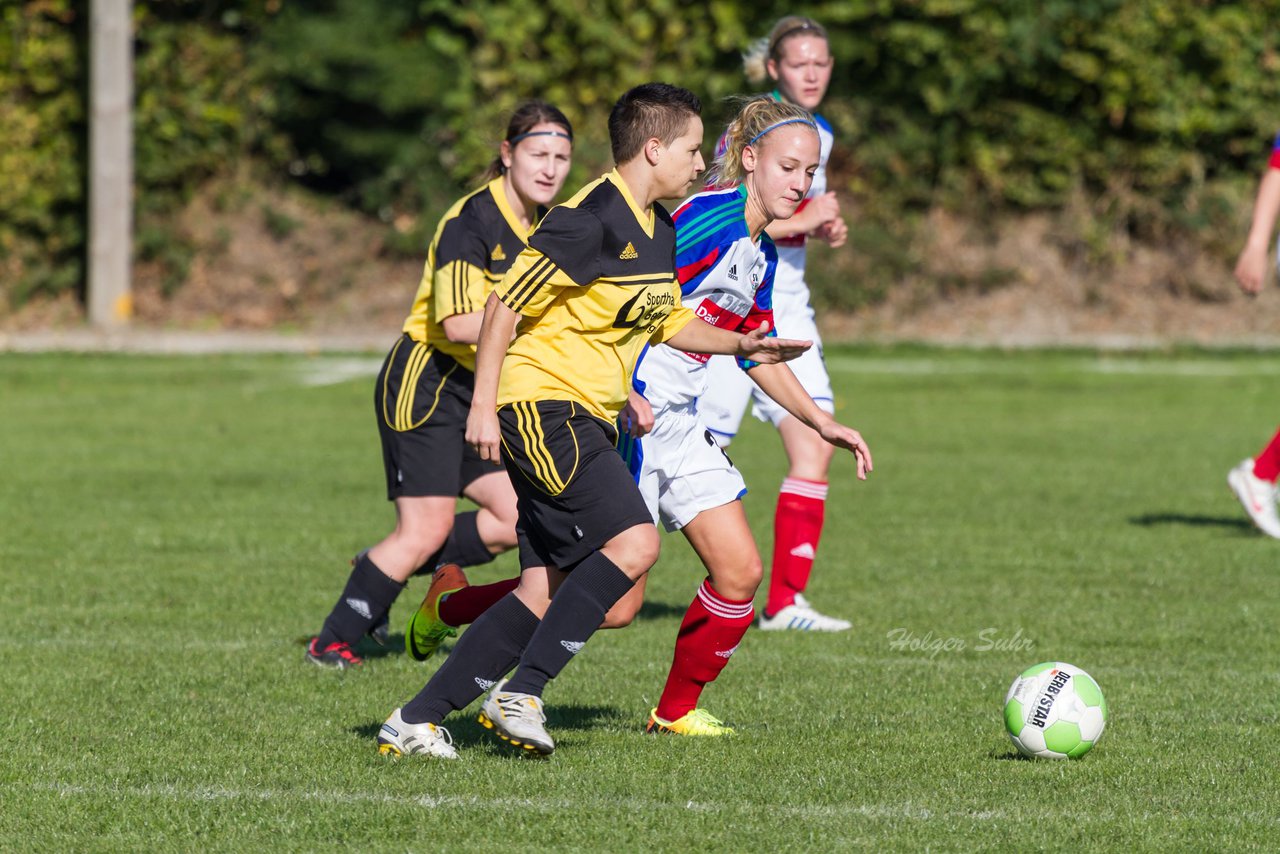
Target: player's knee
{"x": 634, "y": 550}
{"x": 740, "y": 581}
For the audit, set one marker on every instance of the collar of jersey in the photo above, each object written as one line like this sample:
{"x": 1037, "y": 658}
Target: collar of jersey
{"x": 499, "y": 194}
{"x": 645, "y": 218}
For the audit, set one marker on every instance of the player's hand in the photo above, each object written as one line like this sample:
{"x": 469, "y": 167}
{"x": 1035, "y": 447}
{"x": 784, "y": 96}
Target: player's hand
{"x": 1251, "y": 270}
{"x": 484, "y": 434}
{"x": 833, "y": 232}
{"x": 822, "y": 209}
{"x": 758, "y": 347}
{"x": 851, "y": 440}
{"x": 637, "y": 416}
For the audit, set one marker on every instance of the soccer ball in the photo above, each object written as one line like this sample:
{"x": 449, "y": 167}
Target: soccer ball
{"x": 1054, "y": 711}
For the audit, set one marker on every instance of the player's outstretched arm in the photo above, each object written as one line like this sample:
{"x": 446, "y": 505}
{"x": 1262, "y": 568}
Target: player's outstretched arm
{"x": 756, "y": 346}
{"x": 781, "y": 384}
{"x": 1251, "y": 269}
{"x": 483, "y": 432}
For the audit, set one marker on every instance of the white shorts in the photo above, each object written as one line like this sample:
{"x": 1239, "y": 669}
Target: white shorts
{"x": 684, "y": 471}
{"x": 729, "y": 388}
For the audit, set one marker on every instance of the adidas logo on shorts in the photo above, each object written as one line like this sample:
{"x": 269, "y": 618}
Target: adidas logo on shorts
{"x": 574, "y": 647}
{"x": 361, "y": 607}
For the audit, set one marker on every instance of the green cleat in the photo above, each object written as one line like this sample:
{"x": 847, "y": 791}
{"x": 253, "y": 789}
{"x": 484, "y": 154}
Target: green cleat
{"x": 426, "y": 630}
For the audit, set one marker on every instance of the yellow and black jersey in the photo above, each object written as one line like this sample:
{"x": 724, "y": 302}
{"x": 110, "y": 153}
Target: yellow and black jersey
{"x": 474, "y": 245}
{"x": 595, "y": 285}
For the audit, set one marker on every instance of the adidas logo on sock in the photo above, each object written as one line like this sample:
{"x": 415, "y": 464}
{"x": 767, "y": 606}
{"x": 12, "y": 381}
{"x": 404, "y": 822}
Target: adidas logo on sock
{"x": 361, "y": 607}
{"x": 804, "y": 550}
{"x": 485, "y": 684}
{"x": 725, "y": 653}
{"x": 573, "y": 646}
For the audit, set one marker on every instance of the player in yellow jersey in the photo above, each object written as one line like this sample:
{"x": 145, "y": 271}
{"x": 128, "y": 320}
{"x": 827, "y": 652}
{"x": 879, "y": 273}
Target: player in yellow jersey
{"x": 595, "y": 286}
{"x": 423, "y": 393}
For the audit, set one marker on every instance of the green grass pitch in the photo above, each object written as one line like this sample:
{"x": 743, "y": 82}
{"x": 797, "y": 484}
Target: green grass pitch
{"x": 172, "y": 529}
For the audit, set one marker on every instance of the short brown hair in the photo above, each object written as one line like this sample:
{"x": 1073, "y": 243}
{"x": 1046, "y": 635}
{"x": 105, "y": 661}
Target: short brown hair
{"x": 649, "y": 111}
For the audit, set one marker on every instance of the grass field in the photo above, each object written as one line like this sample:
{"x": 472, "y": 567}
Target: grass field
{"x": 174, "y": 527}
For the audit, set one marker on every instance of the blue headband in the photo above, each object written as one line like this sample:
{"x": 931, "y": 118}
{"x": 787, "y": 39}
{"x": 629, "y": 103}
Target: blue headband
{"x": 521, "y": 136}
{"x": 777, "y": 125}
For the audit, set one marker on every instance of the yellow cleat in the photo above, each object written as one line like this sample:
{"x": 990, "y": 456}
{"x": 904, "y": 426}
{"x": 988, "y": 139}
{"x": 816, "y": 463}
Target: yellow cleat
{"x": 697, "y": 722}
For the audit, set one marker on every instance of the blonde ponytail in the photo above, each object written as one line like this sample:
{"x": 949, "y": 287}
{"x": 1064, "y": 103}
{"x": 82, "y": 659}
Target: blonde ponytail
{"x": 753, "y": 62}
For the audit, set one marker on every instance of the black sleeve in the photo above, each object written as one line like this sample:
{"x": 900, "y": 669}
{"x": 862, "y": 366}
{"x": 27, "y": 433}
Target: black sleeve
{"x": 570, "y": 238}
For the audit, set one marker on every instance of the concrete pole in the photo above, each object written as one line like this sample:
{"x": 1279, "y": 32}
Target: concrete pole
{"x": 110, "y": 162}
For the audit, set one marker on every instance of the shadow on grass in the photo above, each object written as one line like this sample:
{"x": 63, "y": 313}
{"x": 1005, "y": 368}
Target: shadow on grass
{"x": 1150, "y": 520}
{"x": 467, "y": 731}
{"x": 655, "y": 610}
{"x": 1008, "y": 756}
{"x": 368, "y": 648}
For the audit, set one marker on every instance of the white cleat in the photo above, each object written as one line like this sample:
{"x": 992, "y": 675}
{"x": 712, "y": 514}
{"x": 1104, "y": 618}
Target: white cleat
{"x": 517, "y": 719}
{"x": 1258, "y": 497}
{"x": 397, "y": 738}
{"x": 801, "y": 617}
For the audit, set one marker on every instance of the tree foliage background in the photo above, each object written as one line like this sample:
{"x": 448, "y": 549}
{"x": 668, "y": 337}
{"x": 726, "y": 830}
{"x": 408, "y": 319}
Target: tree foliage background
{"x": 1158, "y": 112}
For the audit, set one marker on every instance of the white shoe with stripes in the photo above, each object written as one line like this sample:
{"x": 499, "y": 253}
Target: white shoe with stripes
{"x": 398, "y": 738}
{"x": 802, "y": 618}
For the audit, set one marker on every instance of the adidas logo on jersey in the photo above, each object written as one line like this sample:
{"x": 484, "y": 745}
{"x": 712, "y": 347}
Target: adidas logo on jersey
{"x": 629, "y": 253}
{"x": 361, "y": 607}
{"x": 485, "y": 684}
{"x": 804, "y": 550}
{"x": 498, "y": 254}
{"x": 733, "y": 272}
{"x": 574, "y": 647}
{"x": 725, "y": 653}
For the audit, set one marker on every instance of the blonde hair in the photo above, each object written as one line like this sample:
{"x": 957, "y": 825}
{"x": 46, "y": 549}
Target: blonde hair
{"x": 756, "y": 119}
{"x": 755, "y": 60}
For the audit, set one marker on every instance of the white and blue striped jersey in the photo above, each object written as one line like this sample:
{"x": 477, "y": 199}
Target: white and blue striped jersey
{"x": 725, "y": 277}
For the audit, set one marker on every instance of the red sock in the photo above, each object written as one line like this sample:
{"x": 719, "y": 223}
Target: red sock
{"x": 712, "y": 629}
{"x": 1267, "y": 464}
{"x": 463, "y": 606}
{"x": 797, "y": 527}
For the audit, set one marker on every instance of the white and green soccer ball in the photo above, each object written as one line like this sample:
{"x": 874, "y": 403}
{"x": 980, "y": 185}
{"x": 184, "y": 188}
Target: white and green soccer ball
{"x": 1054, "y": 711}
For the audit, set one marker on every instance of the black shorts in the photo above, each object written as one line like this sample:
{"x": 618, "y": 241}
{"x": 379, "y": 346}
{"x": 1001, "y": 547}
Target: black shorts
{"x": 422, "y": 400}
{"x": 575, "y": 493}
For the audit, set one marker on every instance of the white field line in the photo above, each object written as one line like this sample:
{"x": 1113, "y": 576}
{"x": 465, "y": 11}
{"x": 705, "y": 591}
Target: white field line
{"x": 1012, "y": 366}
{"x": 576, "y": 804}
{"x": 598, "y": 805}
{"x": 322, "y": 372}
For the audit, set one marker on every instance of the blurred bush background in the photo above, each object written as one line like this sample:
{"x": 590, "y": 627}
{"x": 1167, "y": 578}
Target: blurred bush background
{"x": 1141, "y": 120}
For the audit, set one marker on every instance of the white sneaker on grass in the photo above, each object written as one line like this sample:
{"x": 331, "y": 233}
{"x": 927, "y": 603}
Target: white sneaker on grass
{"x": 800, "y": 616}
{"x": 1257, "y": 496}
{"x": 517, "y": 719}
{"x": 397, "y": 738}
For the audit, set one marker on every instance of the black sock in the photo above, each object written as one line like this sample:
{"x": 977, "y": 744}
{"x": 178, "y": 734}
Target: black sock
{"x": 366, "y": 599}
{"x": 573, "y": 617}
{"x": 486, "y": 651}
{"x": 463, "y": 546}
